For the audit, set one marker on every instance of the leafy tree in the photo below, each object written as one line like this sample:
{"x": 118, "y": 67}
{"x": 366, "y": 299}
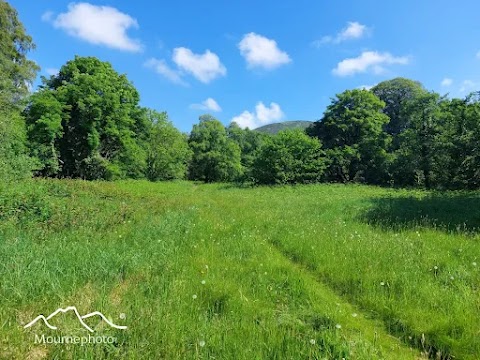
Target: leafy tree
{"x": 289, "y": 157}
{"x": 215, "y": 156}
{"x": 87, "y": 117}
{"x": 397, "y": 94}
{"x": 351, "y": 131}
{"x": 168, "y": 151}
{"x": 249, "y": 142}
{"x": 460, "y": 151}
{"x": 417, "y": 161}
{"x": 17, "y": 73}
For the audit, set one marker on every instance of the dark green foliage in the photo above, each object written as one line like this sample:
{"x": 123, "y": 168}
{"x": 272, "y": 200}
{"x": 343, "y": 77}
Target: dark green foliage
{"x": 285, "y": 125}
{"x": 249, "y": 142}
{"x": 215, "y": 156}
{"x": 16, "y": 71}
{"x": 16, "y": 75}
{"x": 85, "y": 122}
{"x": 351, "y": 131}
{"x": 397, "y": 94}
{"x": 418, "y": 161}
{"x": 290, "y": 157}
{"x": 168, "y": 151}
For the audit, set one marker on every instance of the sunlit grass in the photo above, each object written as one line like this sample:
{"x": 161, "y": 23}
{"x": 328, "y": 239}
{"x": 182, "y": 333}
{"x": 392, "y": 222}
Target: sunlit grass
{"x": 213, "y": 271}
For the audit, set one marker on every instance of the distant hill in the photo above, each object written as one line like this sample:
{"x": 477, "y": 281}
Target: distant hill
{"x": 277, "y": 127}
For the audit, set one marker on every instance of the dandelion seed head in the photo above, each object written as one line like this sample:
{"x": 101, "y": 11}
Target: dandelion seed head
{"x": 203, "y": 282}
{"x": 194, "y": 296}
{"x": 201, "y": 343}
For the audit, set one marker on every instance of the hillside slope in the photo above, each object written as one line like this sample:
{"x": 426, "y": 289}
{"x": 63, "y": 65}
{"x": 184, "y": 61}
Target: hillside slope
{"x": 277, "y": 127}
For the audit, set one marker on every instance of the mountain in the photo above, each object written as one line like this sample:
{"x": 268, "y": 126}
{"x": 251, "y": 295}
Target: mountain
{"x": 277, "y": 127}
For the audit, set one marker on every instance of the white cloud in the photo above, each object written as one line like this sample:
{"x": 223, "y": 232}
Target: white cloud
{"x": 99, "y": 25}
{"x": 447, "y": 82}
{"x": 205, "y": 67}
{"x": 263, "y": 115}
{"x": 207, "y": 105}
{"x": 366, "y": 87}
{"x": 161, "y": 67}
{"x": 368, "y": 61}
{"x": 469, "y": 86}
{"x": 52, "y": 71}
{"x": 262, "y": 52}
{"x": 353, "y": 30}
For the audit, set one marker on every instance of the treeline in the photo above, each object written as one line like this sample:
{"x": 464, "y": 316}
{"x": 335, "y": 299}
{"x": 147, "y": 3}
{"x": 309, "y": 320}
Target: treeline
{"x": 86, "y": 122}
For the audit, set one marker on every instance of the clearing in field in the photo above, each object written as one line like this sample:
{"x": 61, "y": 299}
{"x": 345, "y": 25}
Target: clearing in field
{"x": 219, "y": 272}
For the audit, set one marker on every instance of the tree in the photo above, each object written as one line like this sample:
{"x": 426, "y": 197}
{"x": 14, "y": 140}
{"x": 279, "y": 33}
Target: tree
{"x": 168, "y": 151}
{"x": 289, "y": 157}
{"x": 249, "y": 142}
{"x": 351, "y": 131}
{"x": 215, "y": 156}
{"x": 397, "y": 94}
{"x": 17, "y": 73}
{"x": 89, "y": 120}
{"x": 417, "y": 160}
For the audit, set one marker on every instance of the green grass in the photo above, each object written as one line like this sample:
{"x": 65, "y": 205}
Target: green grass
{"x": 307, "y": 272}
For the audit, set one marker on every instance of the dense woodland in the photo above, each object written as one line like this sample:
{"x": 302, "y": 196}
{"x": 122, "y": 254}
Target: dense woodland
{"x": 86, "y": 122}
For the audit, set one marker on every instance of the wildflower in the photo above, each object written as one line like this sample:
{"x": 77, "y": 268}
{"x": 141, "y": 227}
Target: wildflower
{"x": 338, "y": 326}
{"x": 435, "y": 267}
{"x": 201, "y": 343}
{"x": 194, "y": 296}
{"x": 203, "y": 282}
{"x": 312, "y": 341}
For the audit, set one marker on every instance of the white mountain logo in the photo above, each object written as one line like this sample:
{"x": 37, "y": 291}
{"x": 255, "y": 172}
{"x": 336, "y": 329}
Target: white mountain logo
{"x": 80, "y": 318}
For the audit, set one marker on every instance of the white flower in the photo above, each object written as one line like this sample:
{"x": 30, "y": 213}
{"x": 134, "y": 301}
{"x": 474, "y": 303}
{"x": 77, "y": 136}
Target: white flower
{"x": 194, "y": 297}
{"x": 312, "y": 341}
{"x": 201, "y": 343}
{"x": 203, "y": 282}
{"x": 435, "y": 267}
{"x": 382, "y": 283}
{"x": 338, "y": 326}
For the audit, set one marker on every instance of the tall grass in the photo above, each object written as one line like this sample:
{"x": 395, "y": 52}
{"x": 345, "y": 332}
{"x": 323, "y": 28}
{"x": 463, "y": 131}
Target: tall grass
{"x": 213, "y": 271}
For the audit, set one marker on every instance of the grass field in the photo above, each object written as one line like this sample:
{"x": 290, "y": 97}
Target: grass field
{"x": 219, "y": 272}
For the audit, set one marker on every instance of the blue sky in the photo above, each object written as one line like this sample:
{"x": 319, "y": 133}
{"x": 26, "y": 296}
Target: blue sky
{"x": 261, "y": 61}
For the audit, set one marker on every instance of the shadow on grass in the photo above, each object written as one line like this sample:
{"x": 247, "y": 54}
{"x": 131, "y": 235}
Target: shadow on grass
{"x": 450, "y": 212}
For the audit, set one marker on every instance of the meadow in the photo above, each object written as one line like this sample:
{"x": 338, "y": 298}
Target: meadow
{"x": 200, "y": 271}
